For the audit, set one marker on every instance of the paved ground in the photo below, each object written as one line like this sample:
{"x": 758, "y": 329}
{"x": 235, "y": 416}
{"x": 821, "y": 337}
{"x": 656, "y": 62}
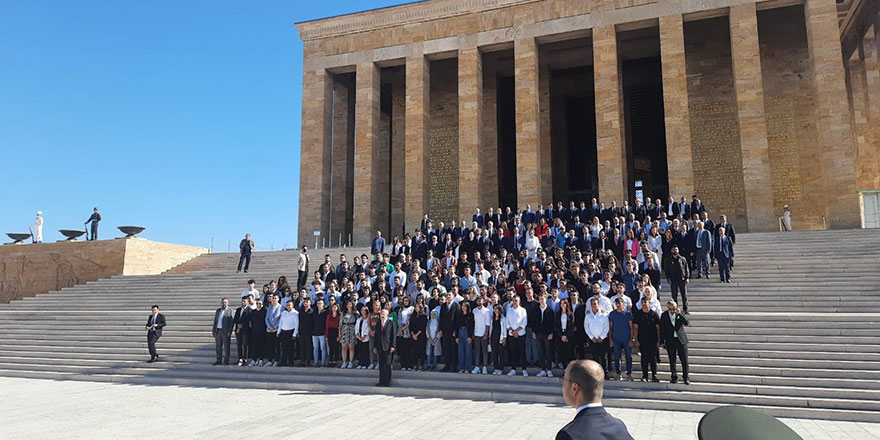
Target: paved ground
{"x": 34, "y": 408}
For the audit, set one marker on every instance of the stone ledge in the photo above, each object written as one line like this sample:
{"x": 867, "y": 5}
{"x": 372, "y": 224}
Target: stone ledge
{"x": 29, "y": 269}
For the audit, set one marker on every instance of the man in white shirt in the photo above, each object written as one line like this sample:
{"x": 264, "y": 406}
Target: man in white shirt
{"x": 604, "y": 302}
{"x": 516, "y": 320}
{"x": 482, "y": 322}
{"x": 596, "y": 327}
{"x": 288, "y": 331}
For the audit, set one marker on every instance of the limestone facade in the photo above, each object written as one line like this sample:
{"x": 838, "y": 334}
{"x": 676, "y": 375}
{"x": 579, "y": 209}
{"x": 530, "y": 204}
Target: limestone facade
{"x": 762, "y": 106}
{"x": 29, "y": 269}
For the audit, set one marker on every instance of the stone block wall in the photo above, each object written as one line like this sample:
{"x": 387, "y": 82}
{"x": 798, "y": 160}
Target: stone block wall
{"x": 29, "y": 269}
{"x": 717, "y": 158}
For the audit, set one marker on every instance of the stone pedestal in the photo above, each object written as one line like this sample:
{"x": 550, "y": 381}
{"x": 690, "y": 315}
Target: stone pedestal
{"x": 610, "y": 145}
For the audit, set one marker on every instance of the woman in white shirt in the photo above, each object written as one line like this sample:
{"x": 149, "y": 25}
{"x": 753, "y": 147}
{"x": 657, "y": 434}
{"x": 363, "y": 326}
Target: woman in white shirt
{"x": 655, "y": 243}
{"x": 595, "y": 227}
{"x": 564, "y": 333}
{"x": 532, "y": 244}
{"x": 362, "y": 333}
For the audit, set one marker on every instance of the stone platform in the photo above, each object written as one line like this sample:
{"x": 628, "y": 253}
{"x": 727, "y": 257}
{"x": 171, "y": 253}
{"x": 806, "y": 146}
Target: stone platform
{"x": 29, "y": 269}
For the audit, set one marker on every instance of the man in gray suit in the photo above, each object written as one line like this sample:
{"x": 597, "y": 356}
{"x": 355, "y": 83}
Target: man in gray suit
{"x": 221, "y": 329}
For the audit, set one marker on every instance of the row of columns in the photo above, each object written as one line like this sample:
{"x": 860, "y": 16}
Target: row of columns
{"x": 533, "y": 159}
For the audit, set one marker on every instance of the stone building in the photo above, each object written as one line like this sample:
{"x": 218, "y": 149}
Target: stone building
{"x": 442, "y": 106}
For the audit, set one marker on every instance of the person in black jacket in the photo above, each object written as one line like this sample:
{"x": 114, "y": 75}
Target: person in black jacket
{"x": 564, "y": 330}
{"x": 646, "y": 326}
{"x": 495, "y": 339}
{"x": 579, "y": 310}
{"x": 257, "y": 345}
{"x": 418, "y": 323}
{"x": 155, "y": 324}
{"x": 545, "y": 328}
{"x": 449, "y": 312}
{"x": 464, "y": 337}
{"x": 678, "y": 273}
{"x": 674, "y": 338}
{"x": 306, "y": 323}
{"x": 582, "y": 387}
{"x": 242, "y": 322}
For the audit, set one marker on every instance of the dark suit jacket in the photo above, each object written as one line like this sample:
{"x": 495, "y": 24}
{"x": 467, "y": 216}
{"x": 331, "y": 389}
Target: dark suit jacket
{"x": 228, "y": 318}
{"x": 728, "y": 230}
{"x": 160, "y": 323}
{"x": 594, "y": 423}
{"x": 448, "y": 318}
{"x": 242, "y": 317}
{"x": 723, "y": 247}
{"x": 387, "y": 338}
{"x": 666, "y": 328}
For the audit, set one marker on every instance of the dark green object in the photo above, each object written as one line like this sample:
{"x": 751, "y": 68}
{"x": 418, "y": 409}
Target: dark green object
{"x": 738, "y": 423}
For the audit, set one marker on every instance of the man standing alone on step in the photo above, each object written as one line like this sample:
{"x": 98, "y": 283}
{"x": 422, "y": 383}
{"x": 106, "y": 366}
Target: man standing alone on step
{"x": 246, "y": 247}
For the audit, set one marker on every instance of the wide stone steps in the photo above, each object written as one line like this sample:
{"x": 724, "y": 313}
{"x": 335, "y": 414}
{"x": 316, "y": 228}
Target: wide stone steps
{"x": 480, "y": 387}
{"x": 794, "y": 334}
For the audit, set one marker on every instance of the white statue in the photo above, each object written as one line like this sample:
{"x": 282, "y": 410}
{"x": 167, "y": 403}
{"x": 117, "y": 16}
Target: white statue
{"x": 785, "y": 220}
{"x": 37, "y": 228}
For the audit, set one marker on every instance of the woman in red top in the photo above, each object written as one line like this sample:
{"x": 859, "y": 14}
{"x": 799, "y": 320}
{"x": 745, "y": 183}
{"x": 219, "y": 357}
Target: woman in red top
{"x": 332, "y": 331}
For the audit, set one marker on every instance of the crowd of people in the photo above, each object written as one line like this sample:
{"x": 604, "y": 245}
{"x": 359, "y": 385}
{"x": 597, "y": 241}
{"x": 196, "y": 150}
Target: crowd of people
{"x": 505, "y": 292}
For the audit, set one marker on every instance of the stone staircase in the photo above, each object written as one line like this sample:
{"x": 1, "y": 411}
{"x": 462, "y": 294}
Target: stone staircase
{"x": 795, "y": 335}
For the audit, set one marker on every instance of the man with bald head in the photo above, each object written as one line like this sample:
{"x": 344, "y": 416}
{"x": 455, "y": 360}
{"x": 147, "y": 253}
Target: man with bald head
{"x": 582, "y": 386}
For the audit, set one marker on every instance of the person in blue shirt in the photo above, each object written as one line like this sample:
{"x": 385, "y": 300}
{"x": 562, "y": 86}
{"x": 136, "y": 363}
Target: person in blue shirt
{"x": 620, "y": 333}
{"x": 273, "y": 319}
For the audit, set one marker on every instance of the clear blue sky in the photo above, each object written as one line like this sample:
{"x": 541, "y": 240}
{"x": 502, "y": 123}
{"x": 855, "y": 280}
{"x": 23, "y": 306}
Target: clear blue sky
{"x": 181, "y": 116}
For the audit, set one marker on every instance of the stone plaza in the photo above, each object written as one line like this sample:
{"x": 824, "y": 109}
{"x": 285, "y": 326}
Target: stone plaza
{"x": 101, "y": 410}
{"x": 443, "y": 106}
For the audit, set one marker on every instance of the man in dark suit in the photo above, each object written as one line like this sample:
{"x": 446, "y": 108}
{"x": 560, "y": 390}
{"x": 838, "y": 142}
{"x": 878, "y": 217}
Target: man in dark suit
{"x": 221, "y": 330}
{"x": 582, "y": 387}
{"x": 477, "y": 218}
{"x": 724, "y": 254}
{"x": 449, "y": 315}
{"x": 242, "y": 322}
{"x": 678, "y": 273}
{"x": 674, "y": 339}
{"x": 155, "y": 323}
{"x": 386, "y": 341}
{"x": 729, "y": 230}
{"x": 424, "y": 224}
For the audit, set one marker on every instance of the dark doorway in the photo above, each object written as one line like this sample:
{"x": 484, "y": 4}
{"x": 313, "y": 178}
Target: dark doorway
{"x": 645, "y": 128}
{"x": 506, "y": 142}
{"x": 573, "y": 134}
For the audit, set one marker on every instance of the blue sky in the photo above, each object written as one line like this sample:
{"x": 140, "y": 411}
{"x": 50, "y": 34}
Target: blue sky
{"x": 181, "y": 116}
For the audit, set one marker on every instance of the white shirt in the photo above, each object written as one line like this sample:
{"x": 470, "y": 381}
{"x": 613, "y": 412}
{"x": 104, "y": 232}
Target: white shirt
{"x": 220, "y": 318}
{"x": 563, "y": 319}
{"x": 596, "y": 325}
{"x": 516, "y": 318}
{"x": 362, "y": 328}
{"x": 246, "y": 292}
{"x": 589, "y": 405}
{"x": 482, "y": 319}
{"x": 604, "y": 303}
{"x": 627, "y": 303}
{"x": 289, "y": 321}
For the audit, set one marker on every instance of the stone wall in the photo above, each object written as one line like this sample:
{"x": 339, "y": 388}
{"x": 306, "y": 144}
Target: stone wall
{"x": 788, "y": 104}
{"x": 29, "y": 269}
{"x": 717, "y": 158}
{"x": 442, "y": 154}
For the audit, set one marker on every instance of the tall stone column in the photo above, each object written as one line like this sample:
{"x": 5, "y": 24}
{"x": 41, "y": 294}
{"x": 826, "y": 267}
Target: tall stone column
{"x": 470, "y": 130}
{"x": 746, "y": 55}
{"x": 340, "y": 165}
{"x": 366, "y": 180}
{"x": 861, "y": 118}
{"x": 544, "y": 132}
{"x": 834, "y": 133}
{"x": 675, "y": 107}
{"x": 489, "y": 145}
{"x": 528, "y": 153}
{"x": 418, "y": 98}
{"x": 610, "y": 145}
{"x": 315, "y": 149}
{"x": 871, "y": 44}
